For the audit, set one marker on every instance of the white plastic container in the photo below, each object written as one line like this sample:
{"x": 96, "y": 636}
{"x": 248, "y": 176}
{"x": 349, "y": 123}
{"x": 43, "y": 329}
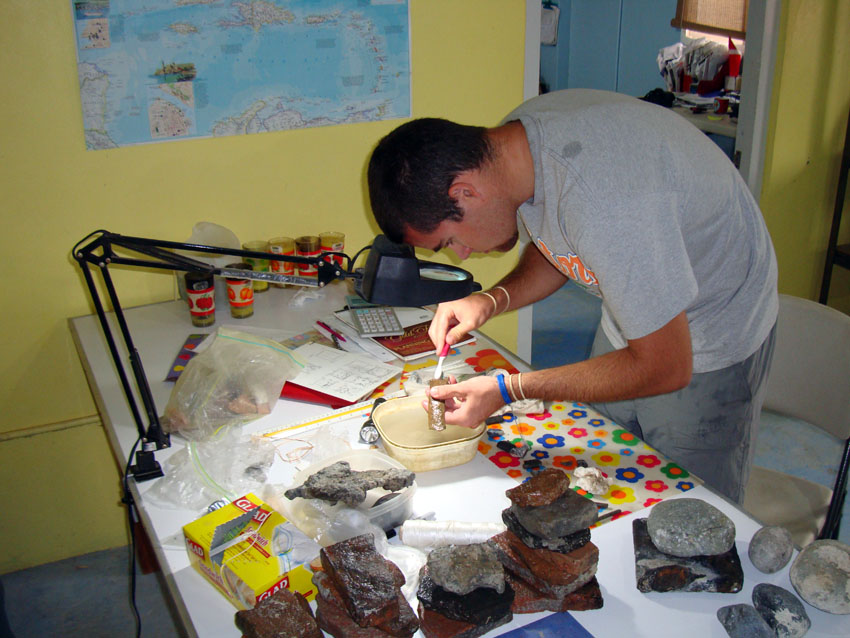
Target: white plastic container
{"x": 304, "y": 514}
{"x": 403, "y": 426}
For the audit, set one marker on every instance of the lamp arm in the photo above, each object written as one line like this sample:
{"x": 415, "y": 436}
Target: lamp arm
{"x": 98, "y": 250}
{"x": 101, "y": 249}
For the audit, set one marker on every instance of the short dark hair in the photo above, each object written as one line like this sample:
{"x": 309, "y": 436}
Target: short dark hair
{"x": 412, "y": 168}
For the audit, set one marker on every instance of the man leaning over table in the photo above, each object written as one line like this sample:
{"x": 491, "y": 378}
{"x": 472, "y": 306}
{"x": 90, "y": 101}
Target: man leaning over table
{"x": 638, "y": 207}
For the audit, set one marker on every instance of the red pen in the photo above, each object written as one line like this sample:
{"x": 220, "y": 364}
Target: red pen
{"x": 333, "y": 332}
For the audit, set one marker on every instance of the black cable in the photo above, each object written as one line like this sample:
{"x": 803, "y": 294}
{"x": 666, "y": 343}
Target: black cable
{"x": 128, "y": 501}
{"x": 357, "y": 254}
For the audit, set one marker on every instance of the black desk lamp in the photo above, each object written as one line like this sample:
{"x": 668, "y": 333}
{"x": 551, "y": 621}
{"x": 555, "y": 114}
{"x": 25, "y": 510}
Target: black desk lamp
{"x": 392, "y": 276}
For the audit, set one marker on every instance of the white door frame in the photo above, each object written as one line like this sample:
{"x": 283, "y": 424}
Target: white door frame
{"x": 756, "y": 90}
{"x": 530, "y": 88}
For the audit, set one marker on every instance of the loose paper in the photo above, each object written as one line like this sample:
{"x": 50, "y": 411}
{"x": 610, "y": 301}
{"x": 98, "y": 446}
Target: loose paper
{"x": 341, "y": 374}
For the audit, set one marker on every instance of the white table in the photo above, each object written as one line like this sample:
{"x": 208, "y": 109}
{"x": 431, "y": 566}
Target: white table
{"x": 472, "y": 492}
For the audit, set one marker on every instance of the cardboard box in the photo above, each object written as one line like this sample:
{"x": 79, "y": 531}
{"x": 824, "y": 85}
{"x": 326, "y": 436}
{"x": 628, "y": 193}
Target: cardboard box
{"x": 243, "y": 549}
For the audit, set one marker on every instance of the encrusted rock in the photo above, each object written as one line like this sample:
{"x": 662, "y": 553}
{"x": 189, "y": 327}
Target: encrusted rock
{"x": 333, "y": 618}
{"x": 435, "y": 625}
{"x": 562, "y": 517}
{"x": 782, "y": 610}
{"x": 479, "y": 607}
{"x": 285, "y": 613}
{"x": 338, "y": 482}
{"x": 367, "y": 582}
{"x": 690, "y": 527}
{"x": 657, "y": 571}
{"x": 542, "y": 489}
{"x": 553, "y": 573}
{"x": 743, "y": 621}
{"x": 565, "y": 544}
{"x": 462, "y": 568}
{"x": 528, "y": 600}
{"x": 821, "y": 576}
{"x": 771, "y": 549}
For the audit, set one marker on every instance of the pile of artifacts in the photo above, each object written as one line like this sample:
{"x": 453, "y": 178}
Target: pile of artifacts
{"x": 360, "y": 593}
{"x": 540, "y": 559}
{"x": 546, "y": 551}
{"x": 688, "y": 545}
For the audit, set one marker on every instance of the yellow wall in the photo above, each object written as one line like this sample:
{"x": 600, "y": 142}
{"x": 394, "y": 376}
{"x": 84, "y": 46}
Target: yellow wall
{"x": 811, "y": 97}
{"x": 56, "y": 469}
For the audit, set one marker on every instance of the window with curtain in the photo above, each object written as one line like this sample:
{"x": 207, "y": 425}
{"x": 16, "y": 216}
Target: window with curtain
{"x": 723, "y": 17}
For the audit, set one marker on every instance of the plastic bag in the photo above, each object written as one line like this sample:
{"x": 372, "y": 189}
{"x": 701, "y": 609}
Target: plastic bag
{"x": 204, "y": 472}
{"x": 237, "y": 379}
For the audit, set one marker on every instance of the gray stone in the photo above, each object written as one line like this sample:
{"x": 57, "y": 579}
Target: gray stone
{"x": 821, "y": 576}
{"x": 771, "y": 549}
{"x": 743, "y": 621}
{"x": 461, "y": 568}
{"x": 338, "y": 482}
{"x": 562, "y": 517}
{"x": 687, "y": 527}
{"x": 564, "y": 544}
{"x": 782, "y": 610}
{"x": 657, "y": 571}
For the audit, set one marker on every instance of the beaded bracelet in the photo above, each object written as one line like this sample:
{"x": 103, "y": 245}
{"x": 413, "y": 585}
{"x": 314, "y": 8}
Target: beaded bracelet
{"x": 505, "y": 396}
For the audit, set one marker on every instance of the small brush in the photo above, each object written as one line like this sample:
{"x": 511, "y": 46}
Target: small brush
{"x": 438, "y": 372}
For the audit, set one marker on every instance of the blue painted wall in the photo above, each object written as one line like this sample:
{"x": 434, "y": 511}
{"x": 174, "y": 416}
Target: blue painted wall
{"x": 609, "y": 44}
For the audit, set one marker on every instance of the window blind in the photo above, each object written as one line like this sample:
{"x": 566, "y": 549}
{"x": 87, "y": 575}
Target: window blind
{"x": 723, "y": 17}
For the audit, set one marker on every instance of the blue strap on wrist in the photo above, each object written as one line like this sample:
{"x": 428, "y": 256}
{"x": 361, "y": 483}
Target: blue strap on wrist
{"x": 503, "y": 389}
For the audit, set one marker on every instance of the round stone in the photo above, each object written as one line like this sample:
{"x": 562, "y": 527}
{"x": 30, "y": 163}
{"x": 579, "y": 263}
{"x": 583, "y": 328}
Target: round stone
{"x": 821, "y": 576}
{"x": 743, "y": 621}
{"x": 782, "y": 610}
{"x": 690, "y": 527}
{"x": 771, "y": 549}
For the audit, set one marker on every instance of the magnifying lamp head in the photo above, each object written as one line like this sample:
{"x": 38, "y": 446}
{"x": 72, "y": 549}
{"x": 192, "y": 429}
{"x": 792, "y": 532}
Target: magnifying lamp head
{"x": 393, "y": 276}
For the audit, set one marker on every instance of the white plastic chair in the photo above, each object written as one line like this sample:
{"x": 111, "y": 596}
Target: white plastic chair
{"x": 809, "y": 380}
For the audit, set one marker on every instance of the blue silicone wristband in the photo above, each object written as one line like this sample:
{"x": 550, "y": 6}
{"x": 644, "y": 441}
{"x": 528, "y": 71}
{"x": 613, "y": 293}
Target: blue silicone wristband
{"x": 503, "y": 389}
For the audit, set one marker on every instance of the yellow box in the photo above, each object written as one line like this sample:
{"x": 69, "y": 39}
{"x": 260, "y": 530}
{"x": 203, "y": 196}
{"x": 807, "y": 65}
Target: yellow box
{"x": 243, "y": 549}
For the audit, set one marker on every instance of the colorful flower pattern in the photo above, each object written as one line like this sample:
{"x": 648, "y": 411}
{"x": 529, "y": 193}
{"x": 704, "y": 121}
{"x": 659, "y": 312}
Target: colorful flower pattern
{"x": 624, "y": 437}
{"x": 606, "y": 459}
{"x": 551, "y": 440}
{"x": 568, "y": 435}
{"x": 628, "y": 474}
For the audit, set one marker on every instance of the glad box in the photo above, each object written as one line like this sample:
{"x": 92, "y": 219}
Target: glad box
{"x": 244, "y": 550}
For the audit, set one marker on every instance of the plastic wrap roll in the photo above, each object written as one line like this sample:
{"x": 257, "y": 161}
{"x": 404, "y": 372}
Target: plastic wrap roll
{"x": 416, "y": 533}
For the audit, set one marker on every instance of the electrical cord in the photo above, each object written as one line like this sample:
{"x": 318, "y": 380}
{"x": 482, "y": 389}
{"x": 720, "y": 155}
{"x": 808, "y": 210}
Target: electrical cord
{"x": 357, "y": 254}
{"x": 131, "y": 520}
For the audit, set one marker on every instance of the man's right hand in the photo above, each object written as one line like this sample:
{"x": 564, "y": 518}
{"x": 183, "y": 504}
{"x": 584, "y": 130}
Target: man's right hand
{"x": 454, "y": 319}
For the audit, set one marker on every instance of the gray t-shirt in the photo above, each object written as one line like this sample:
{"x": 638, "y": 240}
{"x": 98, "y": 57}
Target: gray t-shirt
{"x": 640, "y": 208}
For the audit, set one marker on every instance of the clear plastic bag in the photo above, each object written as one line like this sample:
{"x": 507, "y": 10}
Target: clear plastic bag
{"x": 203, "y": 472}
{"x": 237, "y": 379}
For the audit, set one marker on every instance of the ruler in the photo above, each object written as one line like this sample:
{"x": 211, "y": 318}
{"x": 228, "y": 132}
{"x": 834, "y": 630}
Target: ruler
{"x": 353, "y": 411}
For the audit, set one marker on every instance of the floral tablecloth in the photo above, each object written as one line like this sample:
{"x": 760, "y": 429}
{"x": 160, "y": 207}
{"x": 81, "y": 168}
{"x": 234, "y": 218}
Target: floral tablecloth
{"x": 568, "y": 435}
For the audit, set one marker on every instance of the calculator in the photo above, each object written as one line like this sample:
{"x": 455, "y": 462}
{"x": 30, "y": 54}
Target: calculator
{"x": 373, "y": 321}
